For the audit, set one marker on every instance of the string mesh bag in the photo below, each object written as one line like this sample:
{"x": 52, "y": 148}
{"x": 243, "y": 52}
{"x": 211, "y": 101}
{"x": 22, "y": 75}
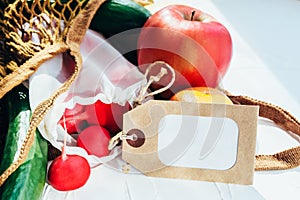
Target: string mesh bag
{"x": 32, "y": 32}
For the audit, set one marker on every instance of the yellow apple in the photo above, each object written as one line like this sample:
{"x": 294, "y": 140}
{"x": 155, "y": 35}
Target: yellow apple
{"x": 202, "y": 95}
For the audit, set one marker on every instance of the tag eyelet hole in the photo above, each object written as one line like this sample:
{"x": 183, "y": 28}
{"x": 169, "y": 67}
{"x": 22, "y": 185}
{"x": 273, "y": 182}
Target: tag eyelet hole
{"x": 138, "y": 138}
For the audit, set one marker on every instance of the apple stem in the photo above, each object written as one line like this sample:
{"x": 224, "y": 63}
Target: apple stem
{"x": 193, "y": 14}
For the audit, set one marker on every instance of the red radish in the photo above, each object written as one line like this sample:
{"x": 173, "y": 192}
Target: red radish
{"x": 109, "y": 116}
{"x": 68, "y": 172}
{"x": 91, "y": 113}
{"x": 94, "y": 140}
{"x": 74, "y": 124}
{"x": 78, "y": 108}
{"x": 75, "y": 119}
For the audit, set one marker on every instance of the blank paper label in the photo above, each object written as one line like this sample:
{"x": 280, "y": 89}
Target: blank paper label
{"x": 198, "y": 142}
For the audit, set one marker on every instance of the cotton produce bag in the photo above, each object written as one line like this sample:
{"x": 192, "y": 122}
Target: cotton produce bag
{"x": 105, "y": 75}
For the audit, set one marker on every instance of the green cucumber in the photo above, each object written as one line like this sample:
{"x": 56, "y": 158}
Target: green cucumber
{"x": 3, "y": 126}
{"x": 116, "y": 16}
{"x": 28, "y": 181}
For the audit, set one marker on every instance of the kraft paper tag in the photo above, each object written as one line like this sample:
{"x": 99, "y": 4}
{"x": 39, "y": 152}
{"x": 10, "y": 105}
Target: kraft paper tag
{"x": 195, "y": 141}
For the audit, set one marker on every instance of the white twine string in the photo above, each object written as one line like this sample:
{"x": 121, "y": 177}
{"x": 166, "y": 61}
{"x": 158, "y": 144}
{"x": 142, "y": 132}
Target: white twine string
{"x": 143, "y": 94}
{"x": 164, "y": 71}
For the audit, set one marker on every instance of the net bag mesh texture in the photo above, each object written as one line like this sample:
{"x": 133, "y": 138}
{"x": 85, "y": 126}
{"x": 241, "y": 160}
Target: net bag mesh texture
{"x": 32, "y": 32}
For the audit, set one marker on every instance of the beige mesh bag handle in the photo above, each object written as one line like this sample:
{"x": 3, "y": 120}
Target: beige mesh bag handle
{"x": 283, "y": 160}
{"x": 31, "y": 55}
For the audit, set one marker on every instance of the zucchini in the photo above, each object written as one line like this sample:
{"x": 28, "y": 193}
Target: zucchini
{"x": 116, "y": 16}
{"x": 3, "y": 126}
{"x": 28, "y": 181}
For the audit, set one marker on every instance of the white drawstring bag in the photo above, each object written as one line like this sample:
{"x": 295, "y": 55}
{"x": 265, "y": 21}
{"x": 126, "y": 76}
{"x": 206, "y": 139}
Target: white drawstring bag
{"x": 106, "y": 76}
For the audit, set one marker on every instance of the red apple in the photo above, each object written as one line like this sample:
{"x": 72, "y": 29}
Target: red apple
{"x": 197, "y": 46}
